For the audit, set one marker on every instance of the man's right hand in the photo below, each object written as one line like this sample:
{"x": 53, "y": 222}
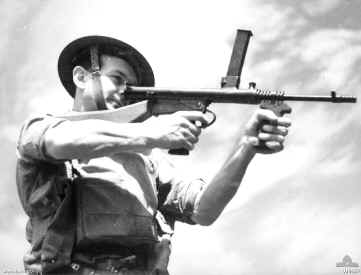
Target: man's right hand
{"x": 178, "y": 130}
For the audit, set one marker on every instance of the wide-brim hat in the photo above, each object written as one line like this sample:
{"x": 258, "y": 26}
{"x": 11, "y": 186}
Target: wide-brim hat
{"x": 80, "y": 48}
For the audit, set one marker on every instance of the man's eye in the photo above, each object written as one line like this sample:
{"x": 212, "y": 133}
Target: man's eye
{"x": 117, "y": 80}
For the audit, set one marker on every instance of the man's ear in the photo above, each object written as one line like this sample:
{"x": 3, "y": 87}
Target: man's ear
{"x": 80, "y": 76}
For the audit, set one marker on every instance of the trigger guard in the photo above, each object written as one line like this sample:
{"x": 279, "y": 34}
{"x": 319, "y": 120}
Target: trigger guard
{"x": 214, "y": 117}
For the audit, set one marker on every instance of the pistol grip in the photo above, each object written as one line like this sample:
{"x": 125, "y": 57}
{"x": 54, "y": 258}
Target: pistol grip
{"x": 179, "y": 151}
{"x": 279, "y": 108}
{"x": 182, "y": 151}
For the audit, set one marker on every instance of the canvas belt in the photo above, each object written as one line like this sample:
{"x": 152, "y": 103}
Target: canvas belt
{"x": 125, "y": 257}
{"x": 75, "y": 269}
{"x": 111, "y": 266}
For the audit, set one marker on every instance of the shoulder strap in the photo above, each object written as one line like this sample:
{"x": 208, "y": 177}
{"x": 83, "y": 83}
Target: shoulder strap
{"x": 164, "y": 226}
{"x": 95, "y": 78}
{"x": 58, "y": 243}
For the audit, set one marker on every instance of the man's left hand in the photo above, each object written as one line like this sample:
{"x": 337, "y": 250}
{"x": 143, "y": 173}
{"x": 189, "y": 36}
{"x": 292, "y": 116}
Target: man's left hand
{"x": 266, "y": 132}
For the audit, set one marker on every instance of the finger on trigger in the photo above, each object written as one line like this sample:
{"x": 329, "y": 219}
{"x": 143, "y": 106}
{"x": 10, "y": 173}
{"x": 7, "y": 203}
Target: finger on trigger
{"x": 198, "y": 124}
{"x": 195, "y": 116}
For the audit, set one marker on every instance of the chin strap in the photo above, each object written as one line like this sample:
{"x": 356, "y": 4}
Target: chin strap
{"x": 95, "y": 78}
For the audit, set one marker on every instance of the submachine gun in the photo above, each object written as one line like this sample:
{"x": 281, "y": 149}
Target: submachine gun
{"x": 156, "y": 101}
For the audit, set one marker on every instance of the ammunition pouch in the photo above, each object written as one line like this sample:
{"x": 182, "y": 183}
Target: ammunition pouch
{"x": 108, "y": 216}
{"x": 52, "y": 233}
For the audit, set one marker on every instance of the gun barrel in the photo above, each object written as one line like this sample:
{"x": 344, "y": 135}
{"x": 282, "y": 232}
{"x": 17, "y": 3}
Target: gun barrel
{"x": 320, "y": 98}
{"x": 232, "y": 95}
{"x": 210, "y": 95}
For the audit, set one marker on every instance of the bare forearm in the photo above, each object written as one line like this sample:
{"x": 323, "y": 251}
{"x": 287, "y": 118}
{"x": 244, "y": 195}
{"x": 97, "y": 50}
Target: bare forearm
{"x": 94, "y": 138}
{"x": 264, "y": 133}
{"x": 88, "y": 139}
{"x": 218, "y": 193}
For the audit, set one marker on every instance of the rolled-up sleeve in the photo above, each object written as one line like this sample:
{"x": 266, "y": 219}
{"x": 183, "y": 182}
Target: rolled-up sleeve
{"x": 177, "y": 194}
{"x": 31, "y": 143}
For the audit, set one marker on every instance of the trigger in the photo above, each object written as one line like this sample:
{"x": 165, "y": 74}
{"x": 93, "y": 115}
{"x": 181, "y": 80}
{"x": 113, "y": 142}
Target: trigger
{"x": 214, "y": 117}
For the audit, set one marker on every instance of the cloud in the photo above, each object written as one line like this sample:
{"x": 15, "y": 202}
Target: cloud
{"x": 10, "y": 13}
{"x": 315, "y": 8}
{"x": 295, "y": 211}
{"x": 10, "y": 132}
{"x": 294, "y": 225}
{"x": 12, "y": 247}
{"x": 298, "y": 211}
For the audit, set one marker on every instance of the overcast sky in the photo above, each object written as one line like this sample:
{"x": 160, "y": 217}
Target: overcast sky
{"x": 297, "y": 212}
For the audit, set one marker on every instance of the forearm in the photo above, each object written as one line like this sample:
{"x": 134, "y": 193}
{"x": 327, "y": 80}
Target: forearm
{"x": 94, "y": 138}
{"x": 217, "y": 194}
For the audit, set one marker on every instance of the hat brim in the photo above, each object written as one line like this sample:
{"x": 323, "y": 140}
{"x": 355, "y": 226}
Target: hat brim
{"x": 107, "y": 45}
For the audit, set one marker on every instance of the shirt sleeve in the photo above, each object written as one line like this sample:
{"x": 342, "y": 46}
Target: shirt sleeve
{"x": 177, "y": 194}
{"x": 31, "y": 144}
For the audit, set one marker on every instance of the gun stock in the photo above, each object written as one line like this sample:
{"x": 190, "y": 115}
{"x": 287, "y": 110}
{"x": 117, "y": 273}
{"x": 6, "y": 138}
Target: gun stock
{"x": 129, "y": 113}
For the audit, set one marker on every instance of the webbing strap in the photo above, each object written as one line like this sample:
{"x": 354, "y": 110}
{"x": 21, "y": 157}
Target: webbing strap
{"x": 94, "y": 58}
{"x": 60, "y": 236}
{"x": 95, "y": 78}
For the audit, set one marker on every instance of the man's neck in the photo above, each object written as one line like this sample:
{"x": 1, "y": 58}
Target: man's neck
{"x": 83, "y": 103}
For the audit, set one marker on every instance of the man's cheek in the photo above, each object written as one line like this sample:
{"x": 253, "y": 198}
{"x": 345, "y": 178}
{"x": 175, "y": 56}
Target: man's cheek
{"x": 107, "y": 83}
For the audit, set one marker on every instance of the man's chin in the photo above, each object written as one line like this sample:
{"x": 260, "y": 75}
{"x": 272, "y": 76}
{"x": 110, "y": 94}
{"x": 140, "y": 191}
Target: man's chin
{"x": 116, "y": 105}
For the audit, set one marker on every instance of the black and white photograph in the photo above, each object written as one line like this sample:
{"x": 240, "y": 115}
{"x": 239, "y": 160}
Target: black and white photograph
{"x": 180, "y": 137}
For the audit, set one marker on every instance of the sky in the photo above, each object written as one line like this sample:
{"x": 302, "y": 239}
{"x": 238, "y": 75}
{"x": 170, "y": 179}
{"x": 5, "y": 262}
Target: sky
{"x": 296, "y": 212}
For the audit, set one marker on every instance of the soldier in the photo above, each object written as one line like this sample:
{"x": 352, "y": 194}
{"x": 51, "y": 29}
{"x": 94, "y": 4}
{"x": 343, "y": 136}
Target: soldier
{"x": 100, "y": 196}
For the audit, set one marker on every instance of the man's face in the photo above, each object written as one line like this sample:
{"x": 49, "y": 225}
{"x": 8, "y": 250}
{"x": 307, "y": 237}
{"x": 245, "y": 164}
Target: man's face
{"x": 115, "y": 72}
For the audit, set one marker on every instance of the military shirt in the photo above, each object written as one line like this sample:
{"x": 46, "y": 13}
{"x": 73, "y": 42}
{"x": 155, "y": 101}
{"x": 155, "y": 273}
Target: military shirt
{"x": 147, "y": 180}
